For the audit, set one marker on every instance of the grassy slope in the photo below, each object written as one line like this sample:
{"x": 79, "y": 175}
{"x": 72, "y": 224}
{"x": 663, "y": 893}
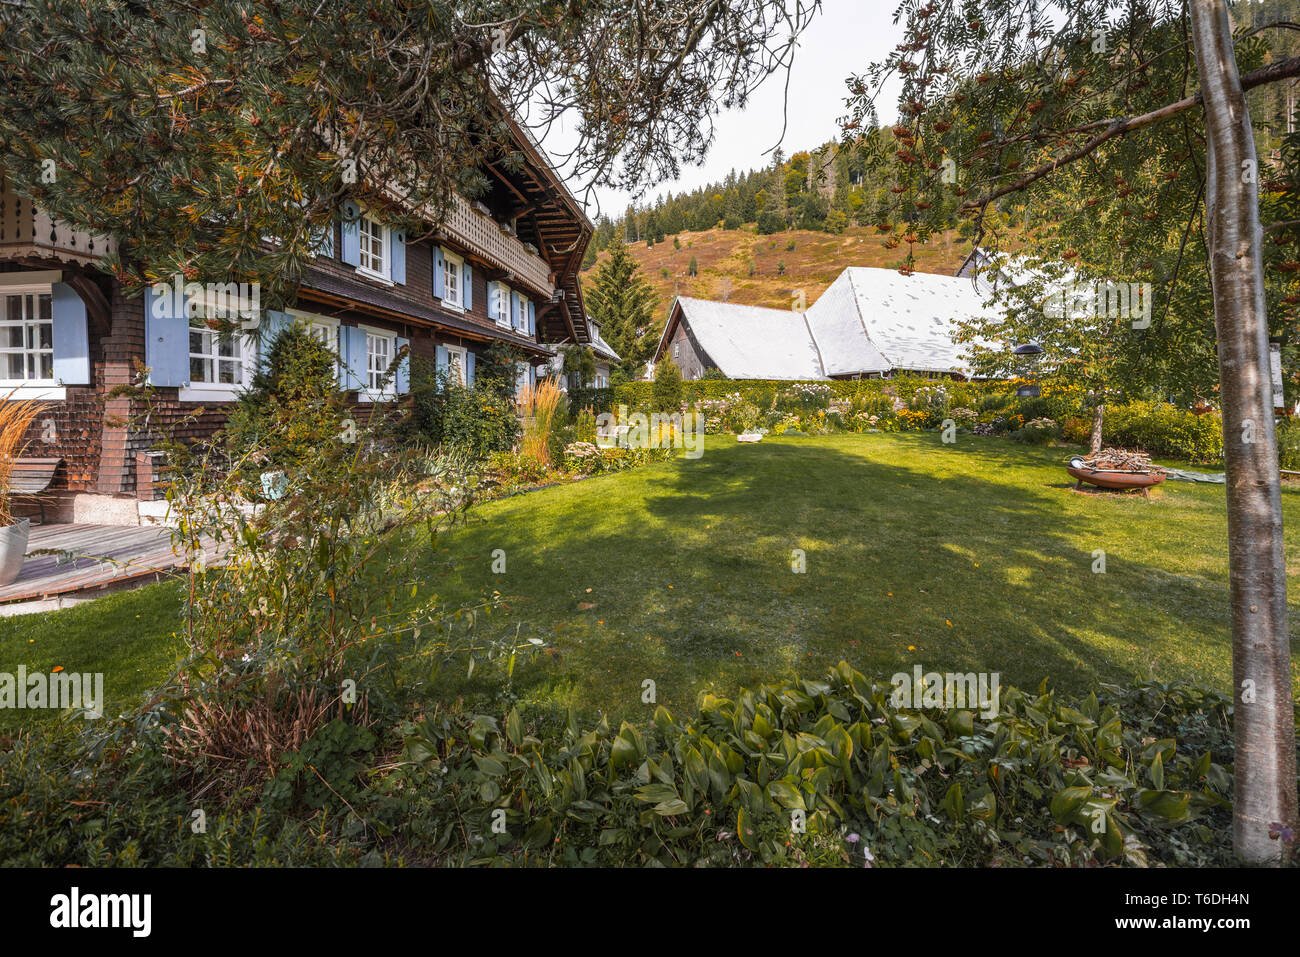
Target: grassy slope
{"x": 724, "y": 255}
{"x": 688, "y": 566}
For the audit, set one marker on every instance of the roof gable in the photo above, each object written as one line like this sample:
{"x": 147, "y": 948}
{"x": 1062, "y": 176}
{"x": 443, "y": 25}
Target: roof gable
{"x": 751, "y": 342}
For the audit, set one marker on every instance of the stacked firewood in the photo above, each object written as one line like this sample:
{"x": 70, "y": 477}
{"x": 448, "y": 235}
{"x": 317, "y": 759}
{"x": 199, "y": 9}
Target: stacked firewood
{"x": 1121, "y": 460}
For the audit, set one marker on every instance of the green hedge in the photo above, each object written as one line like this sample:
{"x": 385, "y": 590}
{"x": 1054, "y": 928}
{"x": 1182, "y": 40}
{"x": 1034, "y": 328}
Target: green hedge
{"x": 1161, "y": 429}
{"x": 639, "y": 396}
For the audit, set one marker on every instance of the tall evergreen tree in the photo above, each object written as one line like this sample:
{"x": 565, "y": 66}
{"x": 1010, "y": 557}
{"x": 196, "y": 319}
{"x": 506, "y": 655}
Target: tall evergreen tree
{"x": 621, "y": 301}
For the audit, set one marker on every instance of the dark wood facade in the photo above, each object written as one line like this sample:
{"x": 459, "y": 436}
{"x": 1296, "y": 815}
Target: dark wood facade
{"x": 527, "y": 236}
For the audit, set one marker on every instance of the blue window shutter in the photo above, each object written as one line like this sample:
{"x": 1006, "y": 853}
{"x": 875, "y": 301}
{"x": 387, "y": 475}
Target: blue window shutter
{"x": 71, "y": 336}
{"x": 467, "y": 280}
{"x": 469, "y": 369}
{"x": 273, "y": 323}
{"x": 442, "y": 362}
{"x": 402, "y": 378}
{"x": 397, "y": 271}
{"x": 352, "y": 355}
{"x": 350, "y": 234}
{"x": 438, "y": 290}
{"x": 166, "y": 337}
{"x": 532, "y": 317}
{"x": 492, "y": 299}
{"x": 514, "y": 309}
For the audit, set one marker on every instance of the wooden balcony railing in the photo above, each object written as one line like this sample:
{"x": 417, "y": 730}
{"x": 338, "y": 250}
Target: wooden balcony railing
{"x": 27, "y": 232}
{"x": 482, "y": 235}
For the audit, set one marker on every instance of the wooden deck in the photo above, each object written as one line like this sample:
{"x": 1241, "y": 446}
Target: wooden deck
{"x": 91, "y": 558}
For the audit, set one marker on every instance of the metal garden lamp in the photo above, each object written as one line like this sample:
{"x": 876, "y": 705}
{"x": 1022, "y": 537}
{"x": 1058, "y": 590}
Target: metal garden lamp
{"x": 1032, "y": 351}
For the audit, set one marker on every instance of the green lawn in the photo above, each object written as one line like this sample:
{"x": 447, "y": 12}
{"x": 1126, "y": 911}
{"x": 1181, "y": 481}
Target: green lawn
{"x": 977, "y": 556}
{"x": 128, "y": 636}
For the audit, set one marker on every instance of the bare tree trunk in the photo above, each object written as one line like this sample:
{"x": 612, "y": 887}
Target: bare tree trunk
{"x": 1095, "y": 440}
{"x": 1264, "y": 728}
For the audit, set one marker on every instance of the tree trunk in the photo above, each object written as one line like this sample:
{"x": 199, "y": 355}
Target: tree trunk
{"x": 1263, "y": 726}
{"x": 1095, "y": 440}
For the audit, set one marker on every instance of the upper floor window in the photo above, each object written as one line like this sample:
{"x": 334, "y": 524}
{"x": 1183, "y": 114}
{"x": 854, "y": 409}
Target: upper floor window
{"x": 27, "y": 338}
{"x": 453, "y": 290}
{"x": 501, "y": 304}
{"x": 374, "y": 247}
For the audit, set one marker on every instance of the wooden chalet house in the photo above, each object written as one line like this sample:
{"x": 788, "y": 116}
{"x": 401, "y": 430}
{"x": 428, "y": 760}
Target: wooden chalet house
{"x": 502, "y": 268}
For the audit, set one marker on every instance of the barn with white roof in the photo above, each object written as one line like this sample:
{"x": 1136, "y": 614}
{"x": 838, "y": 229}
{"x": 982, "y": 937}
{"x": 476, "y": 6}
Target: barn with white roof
{"x": 870, "y": 323}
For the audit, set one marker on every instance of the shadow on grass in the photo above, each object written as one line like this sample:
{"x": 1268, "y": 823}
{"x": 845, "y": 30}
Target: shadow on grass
{"x": 915, "y": 554}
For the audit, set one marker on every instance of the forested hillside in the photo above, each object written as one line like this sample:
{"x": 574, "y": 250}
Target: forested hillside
{"x": 780, "y": 233}
{"x": 745, "y": 266}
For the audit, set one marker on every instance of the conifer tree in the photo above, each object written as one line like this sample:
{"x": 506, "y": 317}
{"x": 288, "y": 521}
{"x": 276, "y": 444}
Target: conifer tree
{"x": 622, "y": 303}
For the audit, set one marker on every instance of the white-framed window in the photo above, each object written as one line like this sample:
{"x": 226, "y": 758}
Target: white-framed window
{"x": 26, "y": 336}
{"x": 221, "y": 360}
{"x": 379, "y": 356}
{"x": 453, "y": 291}
{"x": 500, "y": 305}
{"x": 456, "y": 364}
{"x": 677, "y": 350}
{"x": 374, "y": 247}
{"x": 216, "y": 360}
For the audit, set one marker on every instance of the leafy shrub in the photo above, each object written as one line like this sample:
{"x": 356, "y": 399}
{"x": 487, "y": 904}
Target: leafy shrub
{"x": 297, "y": 377}
{"x": 1288, "y": 444}
{"x": 1039, "y": 431}
{"x": 1136, "y": 775}
{"x": 309, "y": 583}
{"x": 511, "y": 470}
{"x": 667, "y": 387}
{"x": 585, "y": 458}
{"x": 1162, "y": 429}
{"x": 475, "y": 421}
{"x": 964, "y": 418}
{"x": 1077, "y": 429}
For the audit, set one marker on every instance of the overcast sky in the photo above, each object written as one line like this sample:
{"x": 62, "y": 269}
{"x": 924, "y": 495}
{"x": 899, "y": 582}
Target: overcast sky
{"x": 844, "y": 38}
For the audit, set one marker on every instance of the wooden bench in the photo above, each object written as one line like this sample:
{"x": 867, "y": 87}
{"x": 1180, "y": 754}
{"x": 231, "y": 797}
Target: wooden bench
{"x": 29, "y": 478}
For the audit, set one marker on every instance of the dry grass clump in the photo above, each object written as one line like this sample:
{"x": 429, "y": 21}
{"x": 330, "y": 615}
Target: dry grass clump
{"x": 540, "y": 407}
{"x": 16, "y": 418}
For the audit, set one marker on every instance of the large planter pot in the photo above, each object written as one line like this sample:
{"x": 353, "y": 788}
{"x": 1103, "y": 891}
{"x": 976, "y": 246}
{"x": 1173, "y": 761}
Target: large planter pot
{"x": 13, "y": 548}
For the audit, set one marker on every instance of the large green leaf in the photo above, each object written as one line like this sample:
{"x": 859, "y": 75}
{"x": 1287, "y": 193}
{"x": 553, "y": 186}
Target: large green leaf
{"x": 1066, "y": 803}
